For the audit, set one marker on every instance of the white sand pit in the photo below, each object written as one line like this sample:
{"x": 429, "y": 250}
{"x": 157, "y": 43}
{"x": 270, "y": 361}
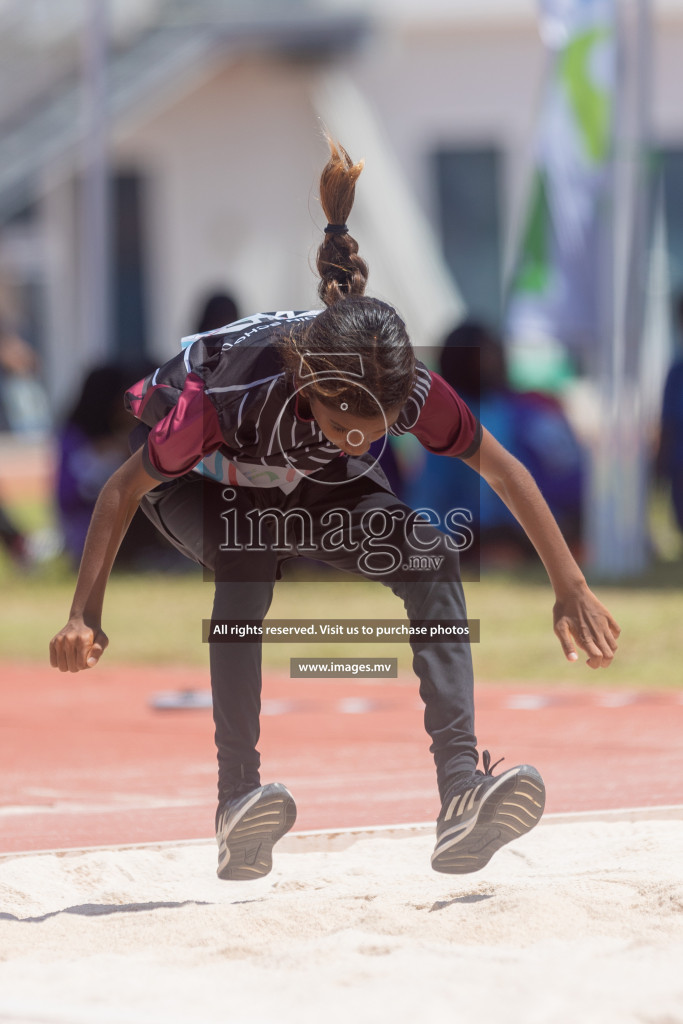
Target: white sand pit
{"x": 575, "y": 922}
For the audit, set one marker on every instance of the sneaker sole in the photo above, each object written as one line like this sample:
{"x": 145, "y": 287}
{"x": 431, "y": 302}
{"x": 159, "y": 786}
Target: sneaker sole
{"x": 247, "y": 852}
{"x": 507, "y": 811}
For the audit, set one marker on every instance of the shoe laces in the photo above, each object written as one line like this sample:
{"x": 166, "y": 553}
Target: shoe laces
{"x": 461, "y": 781}
{"x": 231, "y": 789}
{"x": 488, "y": 767}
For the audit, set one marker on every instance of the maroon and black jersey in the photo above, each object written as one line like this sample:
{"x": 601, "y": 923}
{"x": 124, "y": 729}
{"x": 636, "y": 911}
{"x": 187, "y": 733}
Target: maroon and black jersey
{"x": 225, "y": 407}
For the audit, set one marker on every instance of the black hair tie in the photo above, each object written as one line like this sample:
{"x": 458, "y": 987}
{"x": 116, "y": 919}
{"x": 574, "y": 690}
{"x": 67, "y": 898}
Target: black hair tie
{"x": 336, "y": 229}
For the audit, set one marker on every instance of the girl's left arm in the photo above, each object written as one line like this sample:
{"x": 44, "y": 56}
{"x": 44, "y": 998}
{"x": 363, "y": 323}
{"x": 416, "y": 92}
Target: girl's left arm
{"x": 578, "y": 615}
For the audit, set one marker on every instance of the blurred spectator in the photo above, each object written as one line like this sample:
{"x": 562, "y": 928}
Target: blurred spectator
{"x": 13, "y": 540}
{"x": 670, "y": 454}
{"x": 217, "y": 310}
{"x": 23, "y": 402}
{"x": 531, "y": 425}
{"x": 23, "y": 409}
{"x": 93, "y": 443}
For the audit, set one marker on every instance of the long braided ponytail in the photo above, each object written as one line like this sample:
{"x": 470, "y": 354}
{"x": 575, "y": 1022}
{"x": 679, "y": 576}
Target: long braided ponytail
{"x": 342, "y": 271}
{"x": 357, "y": 350}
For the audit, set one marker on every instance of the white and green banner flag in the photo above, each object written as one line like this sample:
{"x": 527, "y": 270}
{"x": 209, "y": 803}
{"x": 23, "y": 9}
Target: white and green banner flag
{"x": 554, "y": 291}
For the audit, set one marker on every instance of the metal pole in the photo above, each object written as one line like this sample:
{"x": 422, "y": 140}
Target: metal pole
{"x": 95, "y": 253}
{"x": 617, "y": 514}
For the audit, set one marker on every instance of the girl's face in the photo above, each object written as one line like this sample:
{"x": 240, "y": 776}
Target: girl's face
{"x": 352, "y": 433}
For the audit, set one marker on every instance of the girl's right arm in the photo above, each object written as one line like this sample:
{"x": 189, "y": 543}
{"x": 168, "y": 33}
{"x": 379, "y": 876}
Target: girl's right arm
{"x": 81, "y": 643}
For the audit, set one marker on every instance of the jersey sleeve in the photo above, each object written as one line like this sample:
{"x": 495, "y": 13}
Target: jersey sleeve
{"x": 187, "y": 431}
{"x": 446, "y": 425}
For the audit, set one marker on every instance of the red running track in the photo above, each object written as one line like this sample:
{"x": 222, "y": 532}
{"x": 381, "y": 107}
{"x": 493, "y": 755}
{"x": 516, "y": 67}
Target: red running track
{"x": 86, "y": 761}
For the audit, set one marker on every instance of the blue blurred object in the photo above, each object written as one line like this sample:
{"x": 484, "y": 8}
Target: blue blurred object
{"x": 531, "y": 425}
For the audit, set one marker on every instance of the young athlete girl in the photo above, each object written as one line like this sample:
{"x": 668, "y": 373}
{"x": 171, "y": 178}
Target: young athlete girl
{"x": 267, "y": 424}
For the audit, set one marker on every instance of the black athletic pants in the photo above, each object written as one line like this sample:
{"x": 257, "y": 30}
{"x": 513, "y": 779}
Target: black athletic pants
{"x": 208, "y": 522}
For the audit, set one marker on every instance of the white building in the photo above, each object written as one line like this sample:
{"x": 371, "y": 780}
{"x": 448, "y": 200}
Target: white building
{"x": 214, "y": 132}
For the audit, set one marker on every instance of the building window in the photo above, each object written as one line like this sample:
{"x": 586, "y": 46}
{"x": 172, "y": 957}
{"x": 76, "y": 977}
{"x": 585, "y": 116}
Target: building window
{"x": 129, "y": 271}
{"x": 468, "y": 183}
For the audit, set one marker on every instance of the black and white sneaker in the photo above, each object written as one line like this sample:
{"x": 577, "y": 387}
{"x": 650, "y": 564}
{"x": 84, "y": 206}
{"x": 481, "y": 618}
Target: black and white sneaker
{"x": 248, "y": 827}
{"x": 484, "y": 812}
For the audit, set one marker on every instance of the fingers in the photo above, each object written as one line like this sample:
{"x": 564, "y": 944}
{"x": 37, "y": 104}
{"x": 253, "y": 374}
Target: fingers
{"x": 76, "y": 648}
{"x": 97, "y": 650}
{"x": 597, "y": 640}
{"x": 564, "y": 635}
{"x": 606, "y": 643}
{"x": 599, "y": 651}
{"x": 64, "y": 651}
{"x": 582, "y": 621}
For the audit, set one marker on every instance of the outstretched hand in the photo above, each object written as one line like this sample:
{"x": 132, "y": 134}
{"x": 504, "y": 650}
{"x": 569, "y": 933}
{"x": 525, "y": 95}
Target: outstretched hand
{"x": 77, "y": 647}
{"x": 581, "y": 620}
